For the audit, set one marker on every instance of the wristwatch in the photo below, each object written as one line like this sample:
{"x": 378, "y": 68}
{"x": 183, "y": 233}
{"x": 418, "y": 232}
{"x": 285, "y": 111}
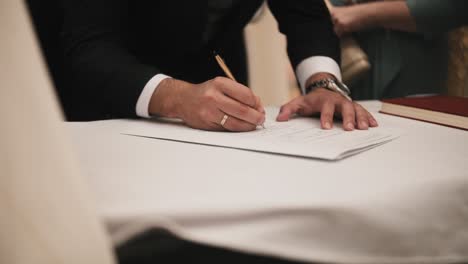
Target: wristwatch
{"x": 332, "y": 85}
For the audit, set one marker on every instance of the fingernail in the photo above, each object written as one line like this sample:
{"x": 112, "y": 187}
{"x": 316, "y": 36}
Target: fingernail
{"x": 350, "y": 126}
{"x": 327, "y": 125}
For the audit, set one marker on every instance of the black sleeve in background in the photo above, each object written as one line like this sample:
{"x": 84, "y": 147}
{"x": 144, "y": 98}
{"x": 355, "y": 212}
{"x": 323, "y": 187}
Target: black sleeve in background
{"x": 308, "y": 29}
{"x": 104, "y": 79}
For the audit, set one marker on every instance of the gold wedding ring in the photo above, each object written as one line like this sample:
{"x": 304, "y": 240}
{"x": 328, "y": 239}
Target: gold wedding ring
{"x": 225, "y": 117}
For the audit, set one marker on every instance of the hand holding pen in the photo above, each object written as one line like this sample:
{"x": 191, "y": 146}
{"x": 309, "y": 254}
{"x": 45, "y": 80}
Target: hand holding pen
{"x": 220, "y": 104}
{"x": 228, "y": 73}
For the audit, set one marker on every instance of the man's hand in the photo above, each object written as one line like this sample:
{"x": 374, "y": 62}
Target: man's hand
{"x": 328, "y": 103}
{"x": 204, "y": 105}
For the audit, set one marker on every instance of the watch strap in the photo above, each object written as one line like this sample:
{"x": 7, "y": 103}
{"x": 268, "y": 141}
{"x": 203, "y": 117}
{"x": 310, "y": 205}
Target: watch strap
{"x": 330, "y": 84}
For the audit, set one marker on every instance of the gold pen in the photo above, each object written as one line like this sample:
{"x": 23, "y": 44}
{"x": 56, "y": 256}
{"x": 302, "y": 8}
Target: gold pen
{"x": 226, "y": 71}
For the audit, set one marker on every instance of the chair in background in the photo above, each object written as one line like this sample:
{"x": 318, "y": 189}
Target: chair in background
{"x": 457, "y": 82}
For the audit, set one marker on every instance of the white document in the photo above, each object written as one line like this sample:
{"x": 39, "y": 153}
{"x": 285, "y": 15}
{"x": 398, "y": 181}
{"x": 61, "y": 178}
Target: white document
{"x": 300, "y": 136}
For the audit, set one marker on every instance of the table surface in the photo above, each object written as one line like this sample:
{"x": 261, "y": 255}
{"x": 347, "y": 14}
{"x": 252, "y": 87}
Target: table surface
{"x": 290, "y": 207}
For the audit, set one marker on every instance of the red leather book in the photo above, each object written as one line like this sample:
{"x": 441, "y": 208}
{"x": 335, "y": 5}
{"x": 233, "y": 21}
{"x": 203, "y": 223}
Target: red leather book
{"x": 443, "y": 110}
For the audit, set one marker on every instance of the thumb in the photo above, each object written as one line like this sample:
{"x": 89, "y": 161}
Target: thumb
{"x": 287, "y": 110}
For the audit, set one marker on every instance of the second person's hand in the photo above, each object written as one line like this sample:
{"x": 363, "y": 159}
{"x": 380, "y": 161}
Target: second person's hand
{"x": 354, "y": 18}
{"x": 203, "y": 106}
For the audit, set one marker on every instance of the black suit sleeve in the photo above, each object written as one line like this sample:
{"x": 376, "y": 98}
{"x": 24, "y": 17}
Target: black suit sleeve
{"x": 102, "y": 71}
{"x": 308, "y": 29}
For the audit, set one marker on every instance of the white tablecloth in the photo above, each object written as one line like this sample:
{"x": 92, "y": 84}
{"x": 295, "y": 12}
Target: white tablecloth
{"x": 403, "y": 202}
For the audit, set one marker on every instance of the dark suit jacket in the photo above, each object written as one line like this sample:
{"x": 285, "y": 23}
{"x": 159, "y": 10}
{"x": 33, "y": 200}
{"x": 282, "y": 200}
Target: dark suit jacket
{"x": 113, "y": 47}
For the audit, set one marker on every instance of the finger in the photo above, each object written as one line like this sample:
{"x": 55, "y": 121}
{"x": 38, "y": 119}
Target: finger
{"x": 259, "y": 105}
{"x": 348, "y": 115}
{"x": 362, "y": 117}
{"x": 236, "y": 91}
{"x": 326, "y": 115}
{"x": 236, "y": 125}
{"x": 241, "y": 111}
{"x": 372, "y": 121}
{"x": 288, "y": 109}
{"x": 209, "y": 120}
{"x": 261, "y": 109}
{"x": 370, "y": 118}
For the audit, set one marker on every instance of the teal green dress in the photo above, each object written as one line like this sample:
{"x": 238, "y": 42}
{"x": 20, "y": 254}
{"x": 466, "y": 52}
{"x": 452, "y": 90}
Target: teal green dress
{"x": 409, "y": 63}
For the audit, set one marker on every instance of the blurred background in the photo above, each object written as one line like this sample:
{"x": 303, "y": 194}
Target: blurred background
{"x": 270, "y": 70}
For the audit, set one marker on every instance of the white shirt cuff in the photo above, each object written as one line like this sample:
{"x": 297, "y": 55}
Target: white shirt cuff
{"x": 316, "y": 64}
{"x": 145, "y": 96}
